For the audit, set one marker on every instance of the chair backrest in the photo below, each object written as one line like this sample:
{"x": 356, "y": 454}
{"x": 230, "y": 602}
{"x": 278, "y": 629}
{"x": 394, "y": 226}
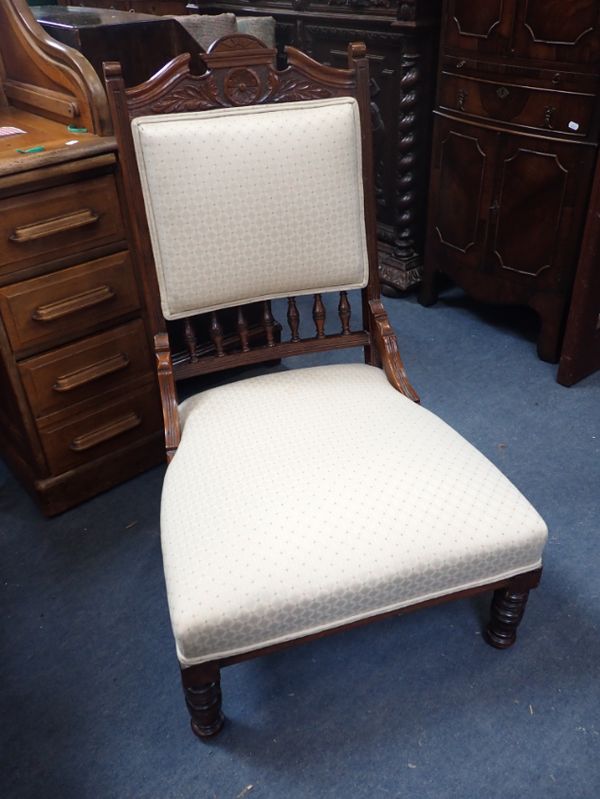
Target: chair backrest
{"x": 244, "y": 184}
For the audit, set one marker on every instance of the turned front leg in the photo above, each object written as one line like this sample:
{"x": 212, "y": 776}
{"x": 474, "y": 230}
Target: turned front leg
{"x": 202, "y": 689}
{"x": 508, "y": 607}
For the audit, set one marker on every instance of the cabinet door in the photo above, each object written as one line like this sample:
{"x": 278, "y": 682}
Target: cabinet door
{"x": 461, "y": 186}
{"x": 481, "y": 27}
{"x": 540, "y": 200}
{"x": 556, "y": 30}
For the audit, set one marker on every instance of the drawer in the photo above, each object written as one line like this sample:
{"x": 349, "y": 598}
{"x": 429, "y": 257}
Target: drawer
{"x": 548, "y": 110}
{"x": 67, "y": 304}
{"x": 57, "y": 222}
{"x": 110, "y": 427}
{"x": 63, "y": 377}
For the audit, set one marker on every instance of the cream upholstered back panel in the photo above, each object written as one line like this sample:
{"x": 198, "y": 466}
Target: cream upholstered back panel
{"x": 253, "y": 203}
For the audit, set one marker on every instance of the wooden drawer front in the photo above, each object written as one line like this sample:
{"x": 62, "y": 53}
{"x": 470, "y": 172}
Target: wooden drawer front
{"x": 69, "y": 303}
{"x": 57, "y": 222}
{"x": 550, "y": 111}
{"x": 85, "y": 369}
{"x": 109, "y": 428}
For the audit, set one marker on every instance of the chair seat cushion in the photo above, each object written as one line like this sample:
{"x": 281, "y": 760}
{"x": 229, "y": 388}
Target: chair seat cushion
{"x": 303, "y": 500}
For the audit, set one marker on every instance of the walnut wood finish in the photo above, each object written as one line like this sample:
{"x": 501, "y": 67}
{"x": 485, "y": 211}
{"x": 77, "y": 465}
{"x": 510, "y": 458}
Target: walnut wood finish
{"x": 42, "y": 226}
{"x": 79, "y": 410}
{"x": 41, "y": 75}
{"x": 515, "y": 144}
{"x": 176, "y": 88}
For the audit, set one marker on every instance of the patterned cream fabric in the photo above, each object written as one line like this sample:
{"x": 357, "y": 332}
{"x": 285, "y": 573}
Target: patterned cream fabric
{"x": 207, "y": 28}
{"x": 261, "y": 27}
{"x": 289, "y": 509}
{"x": 251, "y": 203}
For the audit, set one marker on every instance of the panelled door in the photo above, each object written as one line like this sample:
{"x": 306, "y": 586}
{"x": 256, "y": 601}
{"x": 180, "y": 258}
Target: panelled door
{"x": 461, "y": 190}
{"x": 557, "y": 30}
{"x": 538, "y": 209}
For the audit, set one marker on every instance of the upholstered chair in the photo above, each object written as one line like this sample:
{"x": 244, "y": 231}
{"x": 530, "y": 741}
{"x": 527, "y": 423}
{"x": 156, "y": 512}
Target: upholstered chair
{"x": 289, "y": 508}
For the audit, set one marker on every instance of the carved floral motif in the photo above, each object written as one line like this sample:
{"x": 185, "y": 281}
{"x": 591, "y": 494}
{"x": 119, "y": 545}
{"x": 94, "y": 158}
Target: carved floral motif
{"x": 242, "y": 87}
{"x": 295, "y": 87}
{"x": 192, "y": 95}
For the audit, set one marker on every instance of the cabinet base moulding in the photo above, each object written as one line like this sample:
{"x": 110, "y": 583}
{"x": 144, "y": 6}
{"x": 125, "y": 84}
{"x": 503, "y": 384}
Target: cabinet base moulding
{"x": 398, "y": 274}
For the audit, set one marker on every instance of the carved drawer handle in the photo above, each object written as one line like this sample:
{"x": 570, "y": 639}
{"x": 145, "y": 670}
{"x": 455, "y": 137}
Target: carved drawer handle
{"x": 502, "y": 92}
{"x": 78, "y": 302}
{"x": 105, "y": 433}
{"x": 94, "y": 371}
{"x": 58, "y": 224}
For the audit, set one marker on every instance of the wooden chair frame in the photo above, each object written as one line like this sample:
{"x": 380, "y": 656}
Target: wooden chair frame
{"x": 241, "y": 70}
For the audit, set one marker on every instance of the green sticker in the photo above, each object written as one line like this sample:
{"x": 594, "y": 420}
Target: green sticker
{"x": 38, "y": 149}
{"x": 75, "y": 129}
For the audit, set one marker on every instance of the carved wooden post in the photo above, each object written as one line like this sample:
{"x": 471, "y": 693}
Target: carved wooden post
{"x": 405, "y": 271}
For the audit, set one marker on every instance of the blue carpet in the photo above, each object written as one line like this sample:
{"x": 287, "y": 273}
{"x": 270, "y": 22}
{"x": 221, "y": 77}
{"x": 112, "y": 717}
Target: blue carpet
{"x": 413, "y": 707}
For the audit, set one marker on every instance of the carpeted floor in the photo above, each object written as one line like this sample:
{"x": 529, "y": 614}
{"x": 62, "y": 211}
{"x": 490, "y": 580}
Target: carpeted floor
{"x": 417, "y": 707}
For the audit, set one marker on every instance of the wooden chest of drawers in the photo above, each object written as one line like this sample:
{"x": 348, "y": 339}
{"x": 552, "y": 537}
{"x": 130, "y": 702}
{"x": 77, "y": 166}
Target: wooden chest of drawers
{"x": 515, "y": 146}
{"x": 79, "y": 410}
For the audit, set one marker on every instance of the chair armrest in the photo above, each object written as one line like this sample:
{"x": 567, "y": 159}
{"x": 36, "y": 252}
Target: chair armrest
{"x": 386, "y": 343}
{"x": 168, "y": 394}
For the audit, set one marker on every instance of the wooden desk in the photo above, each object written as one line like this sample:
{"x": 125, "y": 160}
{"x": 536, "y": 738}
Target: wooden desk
{"x": 79, "y": 409}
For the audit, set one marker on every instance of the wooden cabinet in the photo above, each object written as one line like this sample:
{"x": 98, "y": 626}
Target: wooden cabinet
{"x": 75, "y": 354}
{"x": 79, "y": 407}
{"x": 515, "y": 144}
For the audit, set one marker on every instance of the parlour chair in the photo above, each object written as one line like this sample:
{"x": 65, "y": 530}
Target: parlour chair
{"x": 299, "y": 502}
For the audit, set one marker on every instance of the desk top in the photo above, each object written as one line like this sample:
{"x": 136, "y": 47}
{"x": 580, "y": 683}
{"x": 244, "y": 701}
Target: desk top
{"x": 77, "y": 17}
{"x": 41, "y": 132}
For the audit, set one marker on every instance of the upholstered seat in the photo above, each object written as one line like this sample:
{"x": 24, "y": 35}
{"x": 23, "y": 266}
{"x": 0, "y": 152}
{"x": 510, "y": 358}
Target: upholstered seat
{"x": 332, "y": 518}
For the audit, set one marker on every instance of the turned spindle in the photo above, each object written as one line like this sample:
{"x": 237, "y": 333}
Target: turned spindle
{"x": 268, "y": 323}
{"x": 319, "y": 316}
{"x": 293, "y": 317}
{"x": 216, "y": 334}
{"x": 344, "y": 311}
{"x": 190, "y": 339}
{"x": 242, "y": 329}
